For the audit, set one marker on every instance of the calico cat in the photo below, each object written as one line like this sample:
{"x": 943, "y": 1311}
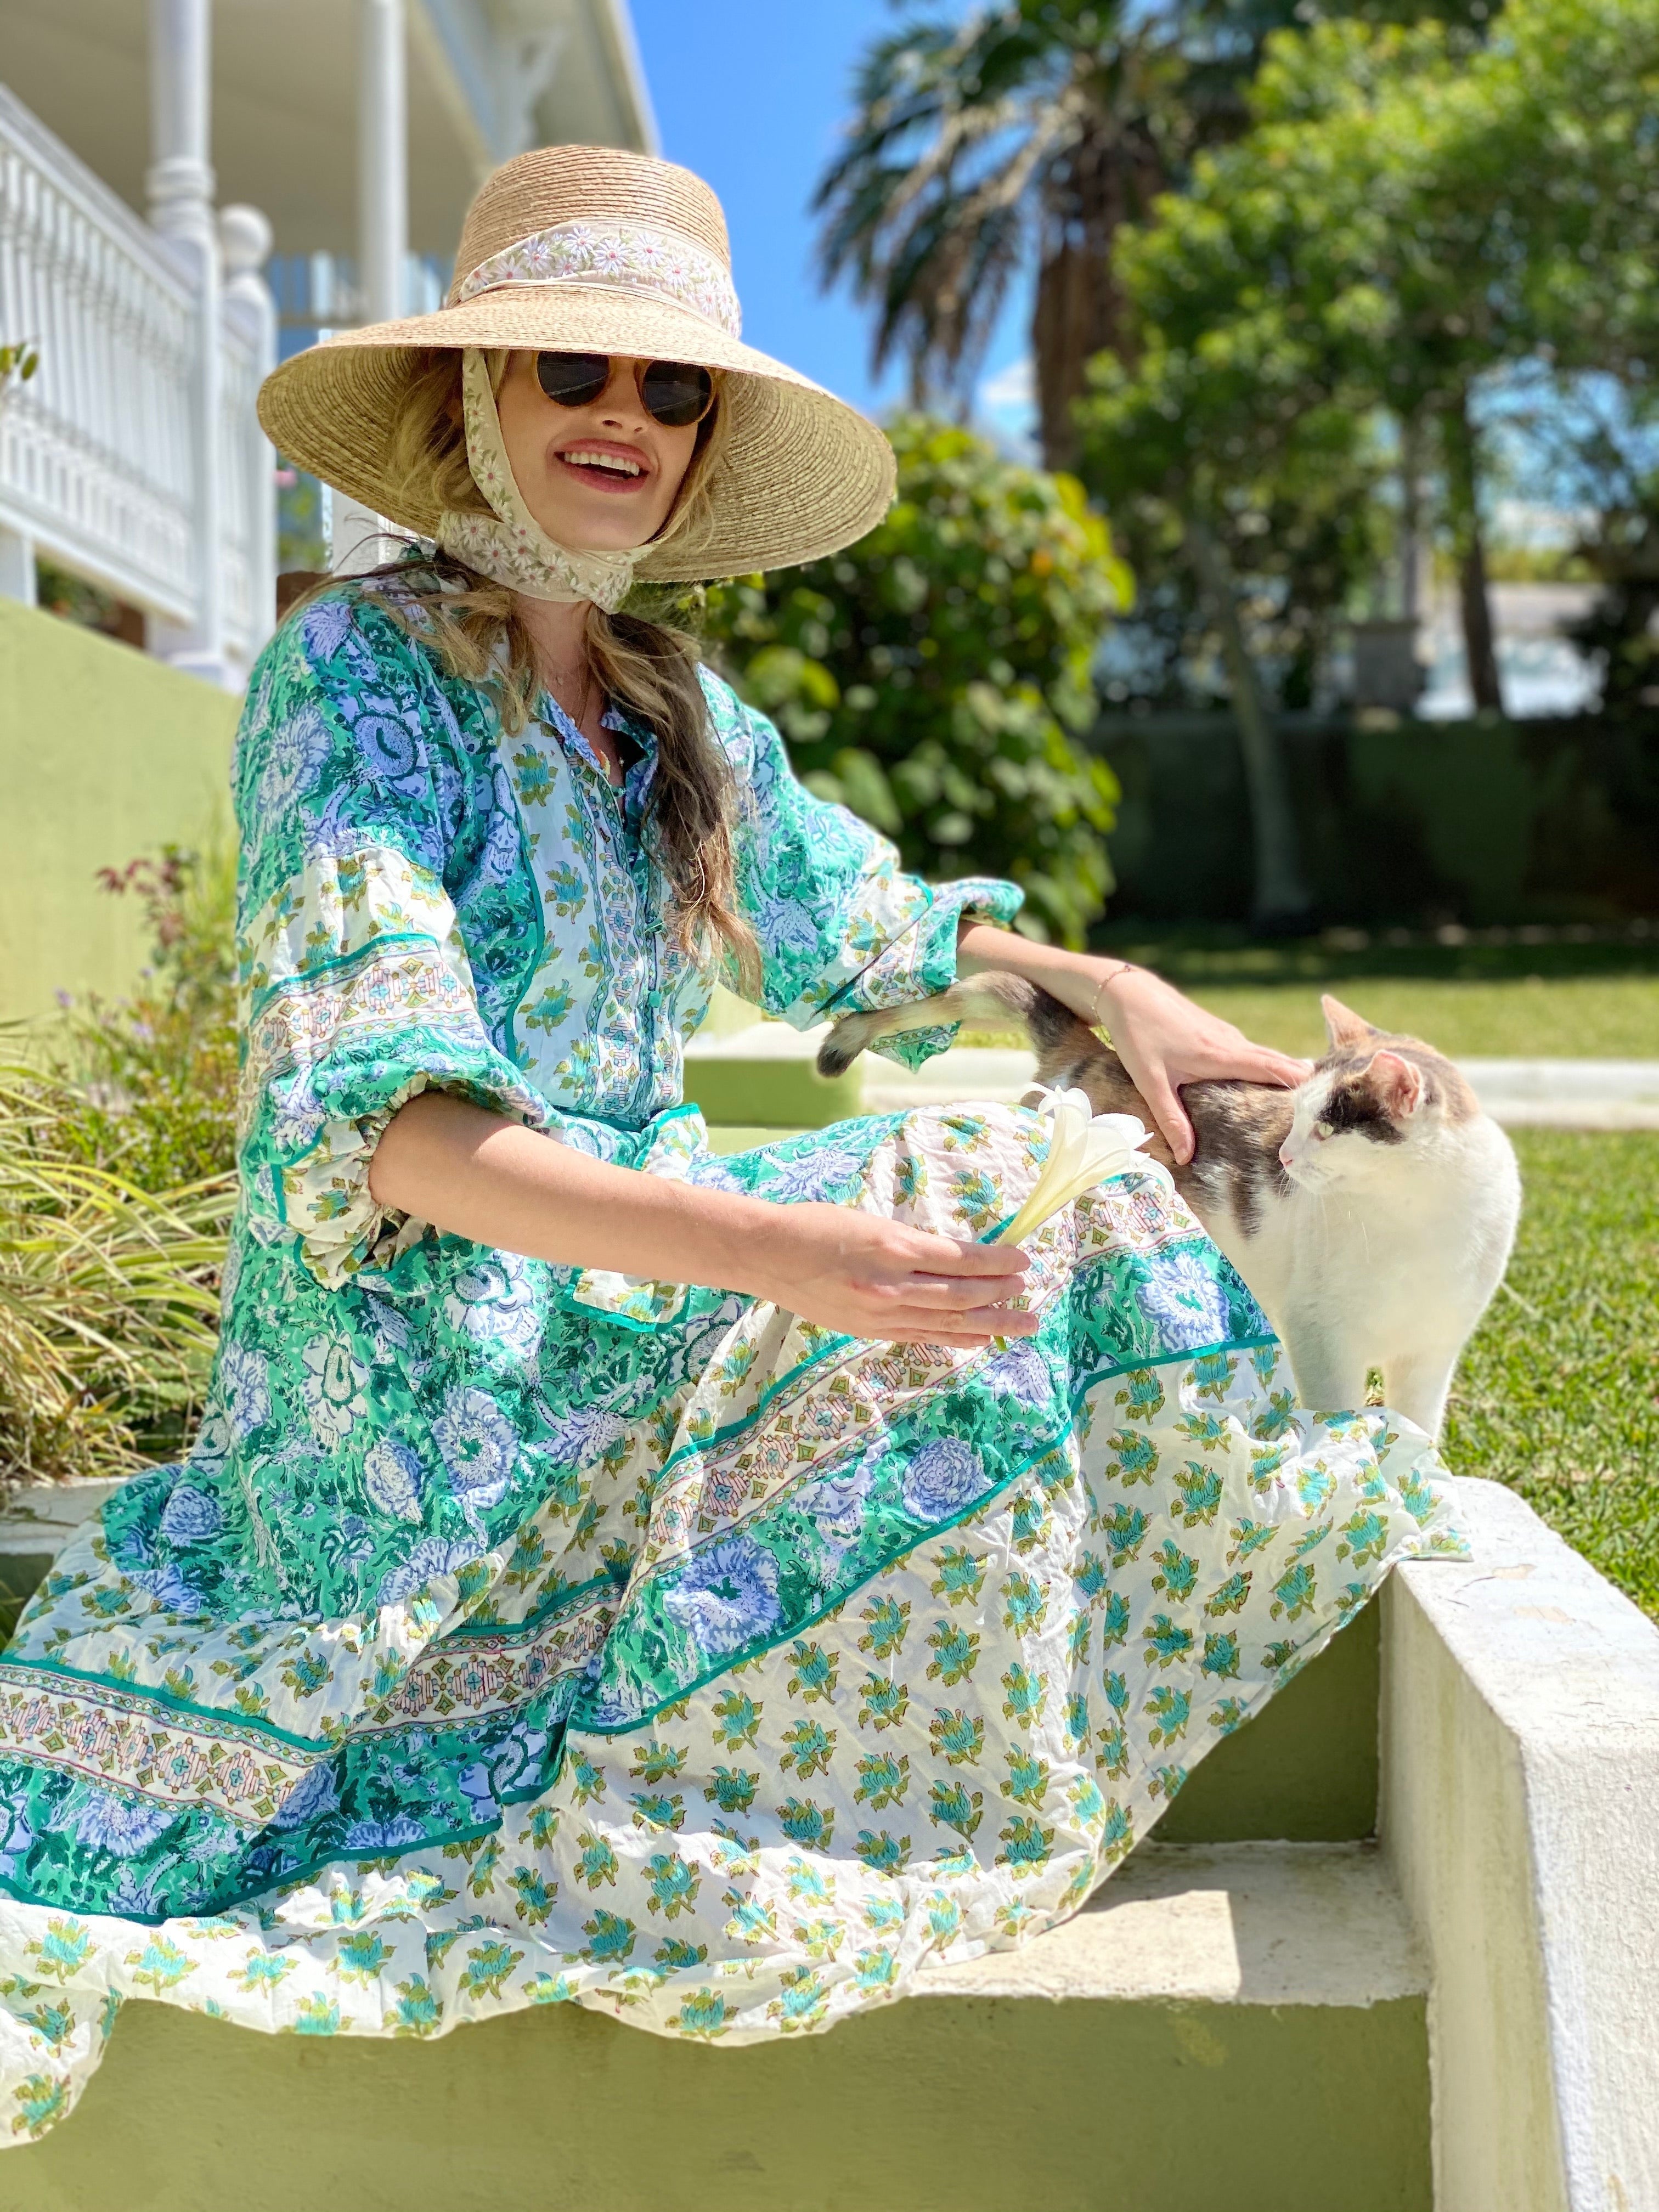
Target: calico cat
{"x": 1371, "y": 1211}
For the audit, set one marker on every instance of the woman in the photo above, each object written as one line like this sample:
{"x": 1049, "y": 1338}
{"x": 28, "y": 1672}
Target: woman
{"x": 699, "y": 1588}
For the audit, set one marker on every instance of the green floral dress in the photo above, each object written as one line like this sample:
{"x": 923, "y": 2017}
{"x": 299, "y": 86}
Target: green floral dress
{"x": 518, "y": 1634}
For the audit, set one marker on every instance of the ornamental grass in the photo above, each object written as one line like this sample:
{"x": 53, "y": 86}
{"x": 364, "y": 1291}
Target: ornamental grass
{"x": 108, "y": 1294}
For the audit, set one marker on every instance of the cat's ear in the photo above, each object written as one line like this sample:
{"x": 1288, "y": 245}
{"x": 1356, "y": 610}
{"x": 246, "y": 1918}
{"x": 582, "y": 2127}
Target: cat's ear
{"x": 1342, "y": 1025}
{"x": 1397, "y": 1085}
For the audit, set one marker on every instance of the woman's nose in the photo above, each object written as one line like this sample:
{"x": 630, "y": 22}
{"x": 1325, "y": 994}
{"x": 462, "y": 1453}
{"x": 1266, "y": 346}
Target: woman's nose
{"x": 620, "y": 401}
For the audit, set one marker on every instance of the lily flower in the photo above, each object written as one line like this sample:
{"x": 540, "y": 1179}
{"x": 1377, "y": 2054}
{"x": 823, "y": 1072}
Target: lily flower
{"x": 1085, "y": 1148}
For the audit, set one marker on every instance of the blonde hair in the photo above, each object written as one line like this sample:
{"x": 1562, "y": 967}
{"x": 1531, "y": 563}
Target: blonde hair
{"x": 647, "y": 666}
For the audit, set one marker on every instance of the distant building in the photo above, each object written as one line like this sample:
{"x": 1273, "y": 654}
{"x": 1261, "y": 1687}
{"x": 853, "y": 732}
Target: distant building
{"x": 158, "y": 160}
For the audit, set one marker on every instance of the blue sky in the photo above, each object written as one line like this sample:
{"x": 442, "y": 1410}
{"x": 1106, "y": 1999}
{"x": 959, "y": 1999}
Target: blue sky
{"x": 752, "y": 94}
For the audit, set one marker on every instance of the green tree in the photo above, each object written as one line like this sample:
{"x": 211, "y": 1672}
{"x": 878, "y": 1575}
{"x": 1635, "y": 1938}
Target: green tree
{"x": 935, "y": 677}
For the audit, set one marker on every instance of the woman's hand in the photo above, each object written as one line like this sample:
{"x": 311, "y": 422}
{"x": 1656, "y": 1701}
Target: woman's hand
{"x": 1162, "y": 1038}
{"x": 1165, "y": 1040}
{"x": 863, "y": 1275}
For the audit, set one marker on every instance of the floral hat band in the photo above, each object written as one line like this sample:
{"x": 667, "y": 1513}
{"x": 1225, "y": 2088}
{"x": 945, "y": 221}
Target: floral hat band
{"x": 623, "y": 257}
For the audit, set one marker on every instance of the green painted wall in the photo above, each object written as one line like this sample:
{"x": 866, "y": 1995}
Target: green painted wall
{"x": 105, "y": 755}
{"x": 934, "y": 2105}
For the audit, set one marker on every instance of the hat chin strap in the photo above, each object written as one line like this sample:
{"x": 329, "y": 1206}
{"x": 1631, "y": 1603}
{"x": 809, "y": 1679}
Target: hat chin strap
{"x": 509, "y": 544}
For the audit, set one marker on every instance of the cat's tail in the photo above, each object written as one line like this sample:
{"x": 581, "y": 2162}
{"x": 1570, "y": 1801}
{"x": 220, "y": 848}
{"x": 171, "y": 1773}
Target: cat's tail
{"x": 995, "y": 999}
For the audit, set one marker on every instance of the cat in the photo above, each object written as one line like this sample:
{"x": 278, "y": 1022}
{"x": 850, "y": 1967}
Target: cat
{"x": 1371, "y": 1211}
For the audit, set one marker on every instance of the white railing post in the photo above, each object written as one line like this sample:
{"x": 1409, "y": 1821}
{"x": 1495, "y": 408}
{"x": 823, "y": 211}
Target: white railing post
{"x": 358, "y": 538}
{"x": 245, "y": 241}
{"x": 17, "y": 562}
{"x": 180, "y": 188}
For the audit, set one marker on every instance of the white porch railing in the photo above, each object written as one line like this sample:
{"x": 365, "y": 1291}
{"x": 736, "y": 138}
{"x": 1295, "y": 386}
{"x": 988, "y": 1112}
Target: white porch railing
{"x": 99, "y": 464}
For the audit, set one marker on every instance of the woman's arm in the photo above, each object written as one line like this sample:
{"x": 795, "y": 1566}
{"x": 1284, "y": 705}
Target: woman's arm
{"x": 1162, "y": 1038}
{"x": 481, "y": 1176}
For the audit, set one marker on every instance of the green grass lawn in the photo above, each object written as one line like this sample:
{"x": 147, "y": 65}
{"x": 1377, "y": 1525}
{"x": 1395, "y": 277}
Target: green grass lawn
{"x": 1596, "y": 1000}
{"x": 1558, "y": 1394}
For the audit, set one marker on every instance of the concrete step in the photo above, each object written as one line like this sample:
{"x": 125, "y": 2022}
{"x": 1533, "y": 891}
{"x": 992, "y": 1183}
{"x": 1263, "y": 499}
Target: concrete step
{"x": 1238, "y": 2026}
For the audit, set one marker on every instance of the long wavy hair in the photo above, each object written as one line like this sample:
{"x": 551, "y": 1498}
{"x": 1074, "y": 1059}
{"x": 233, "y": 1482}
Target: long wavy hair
{"x": 643, "y": 663}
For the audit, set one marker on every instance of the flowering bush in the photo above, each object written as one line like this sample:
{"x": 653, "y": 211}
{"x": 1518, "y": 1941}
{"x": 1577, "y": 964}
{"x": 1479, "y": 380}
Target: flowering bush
{"x": 935, "y": 677}
{"x": 148, "y": 1085}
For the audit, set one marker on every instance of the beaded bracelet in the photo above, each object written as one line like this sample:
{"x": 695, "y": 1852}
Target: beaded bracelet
{"x": 1123, "y": 968}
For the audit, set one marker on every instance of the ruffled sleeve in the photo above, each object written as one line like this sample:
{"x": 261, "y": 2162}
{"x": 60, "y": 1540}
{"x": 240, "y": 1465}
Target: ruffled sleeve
{"x": 351, "y": 792}
{"x": 842, "y": 927}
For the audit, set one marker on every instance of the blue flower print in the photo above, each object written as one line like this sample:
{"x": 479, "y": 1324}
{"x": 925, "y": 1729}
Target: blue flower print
{"x": 493, "y": 1302}
{"x": 432, "y": 1555}
{"x": 943, "y": 1477}
{"x": 325, "y": 626}
{"x": 245, "y": 1385}
{"x": 191, "y": 1516}
{"x": 585, "y": 1433}
{"x": 170, "y": 1588}
{"x": 1184, "y": 1298}
{"x": 813, "y": 1176}
{"x": 837, "y": 1502}
{"x": 375, "y": 1839}
{"x": 728, "y": 1594}
{"x": 785, "y": 926}
{"x": 1021, "y": 1372}
{"x": 480, "y": 1447}
{"x": 387, "y": 748}
{"x": 392, "y": 1478}
{"x": 293, "y": 759}
{"x": 315, "y": 1794}
{"x": 104, "y": 1822}
{"x": 500, "y": 853}
{"x": 296, "y": 1117}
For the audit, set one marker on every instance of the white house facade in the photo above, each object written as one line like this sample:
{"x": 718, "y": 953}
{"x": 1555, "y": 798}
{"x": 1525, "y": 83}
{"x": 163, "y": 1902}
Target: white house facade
{"x": 154, "y": 155}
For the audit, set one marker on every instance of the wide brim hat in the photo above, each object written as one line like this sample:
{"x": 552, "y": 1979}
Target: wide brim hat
{"x": 592, "y": 249}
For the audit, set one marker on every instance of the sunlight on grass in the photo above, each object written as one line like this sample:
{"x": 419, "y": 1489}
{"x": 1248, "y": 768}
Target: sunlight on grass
{"x": 1590, "y": 1017}
{"x": 1558, "y": 1394}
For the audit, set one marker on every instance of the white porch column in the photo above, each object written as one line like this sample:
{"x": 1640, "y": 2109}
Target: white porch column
{"x": 17, "y": 566}
{"x": 245, "y": 241}
{"x": 358, "y": 538}
{"x": 180, "y": 188}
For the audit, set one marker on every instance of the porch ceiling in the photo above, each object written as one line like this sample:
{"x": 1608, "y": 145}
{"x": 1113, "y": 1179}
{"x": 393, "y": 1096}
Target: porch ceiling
{"x": 285, "y": 100}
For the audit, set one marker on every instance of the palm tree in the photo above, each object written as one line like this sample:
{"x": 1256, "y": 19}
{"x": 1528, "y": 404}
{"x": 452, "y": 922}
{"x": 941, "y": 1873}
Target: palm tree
{"x": 1032, "y": 130}
{"x": 1028, "y": 132}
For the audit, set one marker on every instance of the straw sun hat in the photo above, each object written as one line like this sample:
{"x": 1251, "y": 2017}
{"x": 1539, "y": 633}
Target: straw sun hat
{"x": 590, "y": 249}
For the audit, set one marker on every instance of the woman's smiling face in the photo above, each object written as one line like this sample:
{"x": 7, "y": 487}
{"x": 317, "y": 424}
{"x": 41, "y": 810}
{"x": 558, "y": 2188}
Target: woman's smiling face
{"x": 600, "y": 478}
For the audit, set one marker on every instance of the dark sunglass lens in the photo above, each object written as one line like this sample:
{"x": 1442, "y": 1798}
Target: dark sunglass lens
{"x": 574, "y": 380}
{"x": 676, "y": 394}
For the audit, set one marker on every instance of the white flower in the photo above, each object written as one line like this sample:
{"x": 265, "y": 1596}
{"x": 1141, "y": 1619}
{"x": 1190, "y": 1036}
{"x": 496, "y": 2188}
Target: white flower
{"x": 1085, "y": 1148}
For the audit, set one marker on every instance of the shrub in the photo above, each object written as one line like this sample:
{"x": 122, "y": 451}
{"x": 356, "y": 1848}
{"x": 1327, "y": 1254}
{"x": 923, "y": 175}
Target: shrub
{"x": 147, "y": 1086}
{"x": 108, "y": 1294}
{"x": 935, "y": 677}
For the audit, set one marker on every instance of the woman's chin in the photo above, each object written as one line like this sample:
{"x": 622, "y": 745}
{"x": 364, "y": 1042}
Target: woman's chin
{"x": 599, "y": 524}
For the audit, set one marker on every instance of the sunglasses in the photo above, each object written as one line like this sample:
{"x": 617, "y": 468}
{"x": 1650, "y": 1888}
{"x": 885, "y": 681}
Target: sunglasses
{"x": 672, "y": 392}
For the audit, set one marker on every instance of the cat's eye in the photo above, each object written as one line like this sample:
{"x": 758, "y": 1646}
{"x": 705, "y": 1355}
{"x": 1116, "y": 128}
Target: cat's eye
{"x": 1322, "y": 1129}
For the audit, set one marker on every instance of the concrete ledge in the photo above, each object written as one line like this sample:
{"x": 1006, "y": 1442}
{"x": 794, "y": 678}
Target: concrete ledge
{"x": 1241, "y": 2028}
{"x": 36, "y": 1522}
{"x": 1219, "y": 1924}
{"x": 1520, "y": 1816}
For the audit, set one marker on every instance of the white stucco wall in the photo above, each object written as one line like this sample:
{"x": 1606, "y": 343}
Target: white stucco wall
{"x": 1520, "y": 1812}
